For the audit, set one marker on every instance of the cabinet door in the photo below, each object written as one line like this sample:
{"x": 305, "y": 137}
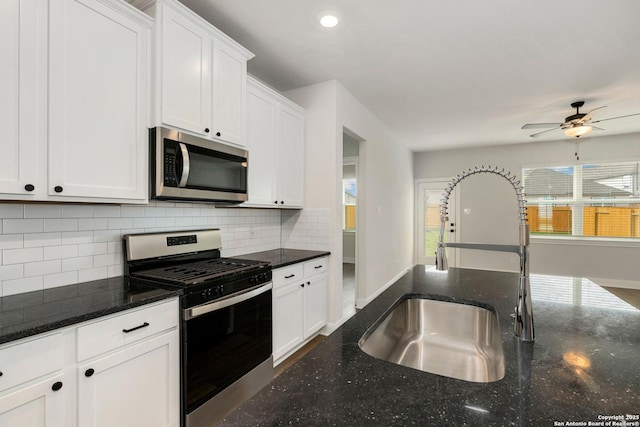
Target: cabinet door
{"x": 136, "y": 386}
{"x": 315, "y": 304}
{"x": 98, "y": 106}
{"x": 229, "y": 93}
{"x": 19, "y": 118}
{"x": 43, "y": 404}
{"x": 186, "y": 73}
{"x": 261, "y": 141}
{"x": 291, "y": 157}
{"x": 287, "y": 318}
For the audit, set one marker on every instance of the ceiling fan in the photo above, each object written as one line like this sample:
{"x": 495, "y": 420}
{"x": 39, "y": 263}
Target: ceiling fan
{"x": 575, "y": 125}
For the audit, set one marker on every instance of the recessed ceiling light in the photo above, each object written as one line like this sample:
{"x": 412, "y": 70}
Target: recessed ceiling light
{"x": 328, "y": 20}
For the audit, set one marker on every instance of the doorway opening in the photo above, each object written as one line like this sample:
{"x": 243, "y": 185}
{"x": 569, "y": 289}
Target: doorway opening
{"x": 350, "y": 214}
{"x": 428, "y": 203}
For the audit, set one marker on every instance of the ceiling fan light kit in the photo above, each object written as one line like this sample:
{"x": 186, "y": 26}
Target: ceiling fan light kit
{"x": 578, "y": 131}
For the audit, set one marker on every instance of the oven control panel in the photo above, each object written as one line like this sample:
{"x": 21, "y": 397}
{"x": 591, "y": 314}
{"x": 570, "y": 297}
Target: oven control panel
{"x": 220, "y": 290}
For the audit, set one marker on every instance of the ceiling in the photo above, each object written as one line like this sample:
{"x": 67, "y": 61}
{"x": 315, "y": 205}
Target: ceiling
{"x": 451, "y": 74}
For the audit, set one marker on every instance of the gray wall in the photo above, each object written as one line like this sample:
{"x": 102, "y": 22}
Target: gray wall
{"x": 493, "y": 207}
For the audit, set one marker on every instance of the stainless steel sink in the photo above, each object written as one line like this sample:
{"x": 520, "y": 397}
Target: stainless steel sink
{"x": 451, "y": 339}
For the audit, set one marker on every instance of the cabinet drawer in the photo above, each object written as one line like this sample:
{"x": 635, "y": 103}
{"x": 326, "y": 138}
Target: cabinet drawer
{"x": 29, "y": 360}
{"x": 315, "y": 266}
{"x": 122, "y": 329}
{"x": 285, "y": 275}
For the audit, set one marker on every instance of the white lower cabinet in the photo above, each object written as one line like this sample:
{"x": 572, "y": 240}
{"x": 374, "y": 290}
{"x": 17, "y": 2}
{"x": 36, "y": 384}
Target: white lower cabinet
{"x": 50, "y": 381}
{"x": 40, "y": 404}
{"x": 107, "y": 396}
{"x": 299, "y": 305}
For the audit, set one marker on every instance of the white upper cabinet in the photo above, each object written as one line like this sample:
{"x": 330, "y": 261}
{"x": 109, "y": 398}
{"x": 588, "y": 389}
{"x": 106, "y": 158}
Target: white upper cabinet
{"x": 21, "y": 117}
{"x": 186, "y": 81}
{"x": 291, "y": 156}
{"x": 74, "y": 80}
{"x": 201, "y": 75}
{"x": 275, "y": 140}
{"x": 229, "y": 93}
{"x": 262, "y": 110}
{"x": 98, "y": 100}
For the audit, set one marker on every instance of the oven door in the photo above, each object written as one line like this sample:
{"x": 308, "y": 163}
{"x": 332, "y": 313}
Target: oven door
{"x": 224, "y": 340}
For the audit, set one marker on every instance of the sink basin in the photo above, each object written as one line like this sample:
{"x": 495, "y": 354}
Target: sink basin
{"x": 446, "y": 338}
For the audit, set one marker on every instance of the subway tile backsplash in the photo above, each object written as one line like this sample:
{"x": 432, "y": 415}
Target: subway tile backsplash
{"x": 46, "y": 245}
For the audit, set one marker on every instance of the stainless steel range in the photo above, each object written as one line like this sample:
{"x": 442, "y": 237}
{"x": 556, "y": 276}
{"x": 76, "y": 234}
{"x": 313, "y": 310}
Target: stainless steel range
{"x": 226, "y": 317}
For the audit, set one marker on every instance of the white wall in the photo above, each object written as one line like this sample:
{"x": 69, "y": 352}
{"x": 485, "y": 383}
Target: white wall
{"x": 385, "y": 188}
{"x": 493, "y": 216}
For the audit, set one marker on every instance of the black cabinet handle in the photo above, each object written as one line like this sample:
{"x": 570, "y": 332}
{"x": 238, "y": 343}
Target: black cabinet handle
{"x": 56, "y": 386}
{"x": 282, "y": 202}
{"x": 308, "y": 283}
{"x": 1, "y": 374}
{"x": 302, "y": 285}
{"x": 276, "y": 202}
{"x": 89, "y": 372}
{"x": 29, "y": 187}
{"x": 144, "y": 325}
{"x": 317, "y": 266}
{"x": 57, "y": 189}
{"x": 217, "y": 133}
{"x": 290, "y": 276}
{"x": 206, "y": 130}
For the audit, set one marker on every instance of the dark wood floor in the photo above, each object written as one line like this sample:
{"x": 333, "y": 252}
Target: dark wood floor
{"x": 291, "y": 360}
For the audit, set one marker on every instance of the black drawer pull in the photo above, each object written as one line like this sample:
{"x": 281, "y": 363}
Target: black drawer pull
{"x": 218, "y": 134}
{"x": 290, "y": 276}
{"x": 309, "y": 283}
{"x": 144, "y": 325}
{"x": 58, "y": 189}
{"x": 29, "y": 187}
{"x": 1, "y": 373}
{"x": 89, "y": 372}
{"x": 56, "y": 386}
{"x": 302, "y": 285}
{"x": 317, "y": 266}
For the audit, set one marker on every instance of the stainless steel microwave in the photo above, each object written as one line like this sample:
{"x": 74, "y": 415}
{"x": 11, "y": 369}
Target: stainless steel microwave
{"x": 186, "y": 167}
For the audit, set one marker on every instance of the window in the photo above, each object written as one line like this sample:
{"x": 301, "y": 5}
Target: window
{"x": 349, "y": 191}
{"x": 598, "y": 200}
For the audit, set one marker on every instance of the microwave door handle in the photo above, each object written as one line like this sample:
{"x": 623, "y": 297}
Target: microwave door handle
{"x": 185, "y": 166}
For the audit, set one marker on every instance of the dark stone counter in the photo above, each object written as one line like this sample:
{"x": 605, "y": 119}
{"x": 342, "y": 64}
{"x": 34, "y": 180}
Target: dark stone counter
{"x": 32, "y": 313}
{"x": 584, "y": 365}
{"x": 283, "y": 257}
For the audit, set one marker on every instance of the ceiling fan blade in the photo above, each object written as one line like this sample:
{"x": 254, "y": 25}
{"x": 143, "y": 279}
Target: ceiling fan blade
{"x": 619, "y": 117}
{"x": 539, "y": 125}
{"x": 590, "y": 113}
{"x": 535, "y": 135}
{"x": 595, "y": 127}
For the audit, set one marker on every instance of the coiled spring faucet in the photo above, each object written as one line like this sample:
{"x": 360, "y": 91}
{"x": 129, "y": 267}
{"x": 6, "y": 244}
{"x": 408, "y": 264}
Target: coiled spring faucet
{"x": 523, "y": 326}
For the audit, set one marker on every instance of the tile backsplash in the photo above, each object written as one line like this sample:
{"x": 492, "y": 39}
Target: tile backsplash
{"x": 49, "y": 245}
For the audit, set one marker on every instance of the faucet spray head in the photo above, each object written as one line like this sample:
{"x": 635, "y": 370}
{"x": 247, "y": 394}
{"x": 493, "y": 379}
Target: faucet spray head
{"x": 441, "y": 258}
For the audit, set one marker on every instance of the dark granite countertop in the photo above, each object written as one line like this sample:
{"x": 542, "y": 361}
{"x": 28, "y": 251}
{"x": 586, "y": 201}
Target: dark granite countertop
{"x": 283, "y": 257}
{"x": 32, "y": 313}
{"x": 583, "y": 366}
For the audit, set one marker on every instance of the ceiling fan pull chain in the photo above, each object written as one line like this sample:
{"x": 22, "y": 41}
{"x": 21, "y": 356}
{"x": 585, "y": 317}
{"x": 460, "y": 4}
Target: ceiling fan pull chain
{"x": 577, "y": 153}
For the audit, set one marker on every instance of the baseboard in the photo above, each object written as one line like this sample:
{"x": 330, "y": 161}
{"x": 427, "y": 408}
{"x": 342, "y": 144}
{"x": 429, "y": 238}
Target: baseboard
{"x": 362, "y": 302}
{"x": 329, "y": 328}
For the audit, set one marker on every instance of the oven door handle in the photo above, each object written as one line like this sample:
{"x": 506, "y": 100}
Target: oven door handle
{"x": 190, "y": 313}
{"x": 186, "y": 164}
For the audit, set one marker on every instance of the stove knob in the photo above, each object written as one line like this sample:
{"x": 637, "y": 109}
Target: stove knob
{"x": 203, "y": 295}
